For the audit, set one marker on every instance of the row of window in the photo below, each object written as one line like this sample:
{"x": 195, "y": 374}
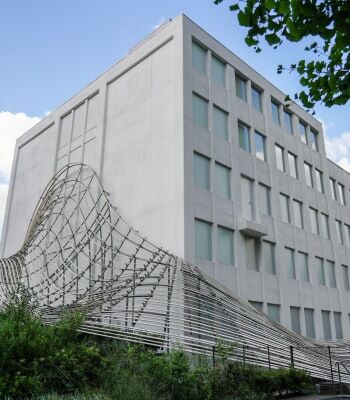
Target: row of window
{"x": 295, "y": 262}
{"x": 218, "y": 75}
{"x": 273, "y": 310}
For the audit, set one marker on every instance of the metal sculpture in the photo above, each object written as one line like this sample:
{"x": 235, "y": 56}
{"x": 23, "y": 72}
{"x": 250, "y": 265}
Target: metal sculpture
{"x": 79, "y": 253}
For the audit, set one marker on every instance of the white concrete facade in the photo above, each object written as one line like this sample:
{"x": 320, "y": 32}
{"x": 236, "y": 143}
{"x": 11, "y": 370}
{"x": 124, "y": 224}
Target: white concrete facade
{"x": 135, "y": 126}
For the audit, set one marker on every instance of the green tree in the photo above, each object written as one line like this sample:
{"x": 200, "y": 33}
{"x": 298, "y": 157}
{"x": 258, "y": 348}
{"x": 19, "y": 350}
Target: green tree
{"x": 325, "y": 23}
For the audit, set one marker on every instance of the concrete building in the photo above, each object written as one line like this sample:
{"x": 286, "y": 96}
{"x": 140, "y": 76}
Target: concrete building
{"x": 198, "y": 151}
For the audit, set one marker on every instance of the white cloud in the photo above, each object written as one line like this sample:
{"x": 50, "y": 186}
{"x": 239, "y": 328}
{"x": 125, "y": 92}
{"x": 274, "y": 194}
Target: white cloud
{"x": 160, "y": 23}
{"x": 12, "y": 125}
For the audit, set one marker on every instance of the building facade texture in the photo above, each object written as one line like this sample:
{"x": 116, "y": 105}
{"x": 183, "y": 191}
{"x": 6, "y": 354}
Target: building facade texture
{"x": 199, "y": 152}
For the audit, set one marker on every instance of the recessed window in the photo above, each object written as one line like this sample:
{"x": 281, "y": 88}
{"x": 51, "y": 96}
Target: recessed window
{"x": 314, "y": 221}
{"x": 314, "y": 139}
{"x": 269, "y": 258}
{"x": 256, "y": 99}
{"x": 248, "y": 206}
{"x": 339, "y": 231}
{"x": 298, "y": 214}
{"x": 319, "y": 180}
{"x": 218, "y": 71}
{"x": 200, "y": 111}
{"x": 284, "y": 203}
{"x": 347, "y": 234}
{"x": 331, "y": 274}
{"x": 201, "y": 171}
{"x": 327, "y": 333}
{"x": 251, "y": 253}
{"x": 273, "y": 310}
{"x": 256, "y": 304}
{"x": 288, "y": 124}
{"x": 321, "y": 278}
{"x": 260, "y": 146}
{"x": 332, "y": 185}
{"x": 222, "y": 182}
{"x": 241, "y": 87}
{"x": 309, "y": 322}
{"x": 295, "y": 319}
{"x": 345, "y": 271}
{"x": 244, "y": 137}
{"x": 341, "y": 193}
{"x": 264, "y": 194}
{"x": 293, "y": 167}
{"x": 220, "y": 123}
{"x": 199, "y": 58}
{"x": 338, "y": 325}
{"x": 275, "y": 112}
{"x": 308, "y": 174}
{"x": 303, "y": 267}
{"x": 225, "y": 245}
{"x": 280, "y": 158}
{"x": 303, "y": 132}
{"x": 203, "y": 241}
{"x": 290, "y": 263}
{"x": 325, "y": 226}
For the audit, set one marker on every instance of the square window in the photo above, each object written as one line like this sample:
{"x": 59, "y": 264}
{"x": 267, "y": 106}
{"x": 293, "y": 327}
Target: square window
{"x": 260, "y": 146}
{"x": 288, "y": 122}
{"x": 303, "y": 267}
{"x": 244, "y": 137}
{"x": 218, "y": 71}
{"x": 264, "y": 193}
{"x": 284, "y": 203}
{"x": 199, "y": 58}
{"x": 280, "y": 158}
{"x": 203, "y": 242}
{"x": 308, "y": 175}
{"x": 298, "y": 214}
{"x": 314, "y": 221}
{"x": 319, "y": 181}
{"x": 225, "y": 246}
{"x": 256, "y": 99}
{"x": 200, "y": 111}
{"x": 293, "y": 166}
{"x": 241, "y": 88}
{"x": 303, "y": 132}
{"x": 220, "y": 123}
{"x": 275, "y": 112}
{"x": 269, "y": 258}
{"x": 273, "y": 310}
{"x": 314, "y": 139}
{"x": 290, "y": 263}
{"x": 201, "y": 171}
{"x": 222, "y": 181}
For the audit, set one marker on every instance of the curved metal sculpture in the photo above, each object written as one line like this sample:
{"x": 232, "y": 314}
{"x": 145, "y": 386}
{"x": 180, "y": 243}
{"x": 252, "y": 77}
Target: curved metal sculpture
{"x": 80, "y": 253}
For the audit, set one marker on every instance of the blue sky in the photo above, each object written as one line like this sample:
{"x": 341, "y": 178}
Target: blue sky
{"x": 50, "y": 49}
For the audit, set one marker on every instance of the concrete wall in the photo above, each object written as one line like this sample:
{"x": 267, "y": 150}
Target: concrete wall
{"x": 127, "y": 125}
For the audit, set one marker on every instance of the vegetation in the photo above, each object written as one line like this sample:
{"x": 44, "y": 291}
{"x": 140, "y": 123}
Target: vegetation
{"x": 56, "y": 362}
{"x": 325, "y": 23}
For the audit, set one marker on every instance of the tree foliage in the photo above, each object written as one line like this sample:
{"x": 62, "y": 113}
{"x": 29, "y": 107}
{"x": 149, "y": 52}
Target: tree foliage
{"x": 324, "y": 23}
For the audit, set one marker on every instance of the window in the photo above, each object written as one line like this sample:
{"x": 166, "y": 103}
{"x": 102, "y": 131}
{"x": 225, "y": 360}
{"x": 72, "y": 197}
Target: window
{"x": 222, "y": 181}
{"x": 218, "y": 71}
{"x": 298, "y": 214}
{"x": 325, "y": 226}
{"x": 290, "y": 262}
{"x": 314, "y": 139}
{"x": 327, "y": 333}
{"x": 273, "y": 310}
{"x": 244, "y": 137}
{"x": 288, "y": 122}
{"x": 314, "y": 221}
{"x": 303, "y": 132}
{"x": 341, "y": 194}
{"x": 248, "y": 208}
{"x": 345, "y": 277}
{"x": 275, "y": 112}
{"x": 220, "y": 123}
{"x": 199, "y": 58}
{"x": 264, "y": 199}
{"x": 241, "y": 88}
{"x": 295, "y": 319}
{"x": 284, "y": 202}
{"x": 251, "y": 253}
{"x": 303, "y": 267}
{"x": 280, "y": 158}
{"x": 256, "y": 304}
{"x": 260, "y": 146}
{"x": 347, "y": 234}
{"x": 201, "y": 171}
{"x": 203, "y": 242}
{"x": 225, "y": 246}
{"x": 319, "y": 181}
{"x": 269, "y": 257}
{"x": 308, "y": 174}
{"x": 339, "y": 231}
{"x": 338, "y": 325}
{"x": 256, "y": 99}
{"x": 321, "y": 279}
{"x": 331, "y": 274}
{"x": 332, "y": 185}
{"x": 293, "y": 168}
{"x": 309, "y": 322}
{"x": 200, "y": 111}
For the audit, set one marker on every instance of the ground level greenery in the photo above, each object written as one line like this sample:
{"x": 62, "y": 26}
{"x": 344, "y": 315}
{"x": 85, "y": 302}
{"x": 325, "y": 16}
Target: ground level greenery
{"x": 55, "y": 362}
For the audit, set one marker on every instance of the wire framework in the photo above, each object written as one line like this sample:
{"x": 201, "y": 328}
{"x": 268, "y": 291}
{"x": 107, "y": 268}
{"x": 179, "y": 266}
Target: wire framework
{"x": 79, "y": 253}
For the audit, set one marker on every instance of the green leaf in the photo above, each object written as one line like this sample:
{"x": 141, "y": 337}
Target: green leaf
{"x": 234, "y": 7}
{"x": 243, "y": 19}
{"x": 250, "y": 41}
{"x": 270, "y": 4}
{"x": 283, "y": 7}
{"x": 272, "y": 39}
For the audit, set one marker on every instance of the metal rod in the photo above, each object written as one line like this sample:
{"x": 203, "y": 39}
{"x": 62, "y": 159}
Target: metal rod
{"x": 291, "y": 356}
{"x": 331, "y": 366}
